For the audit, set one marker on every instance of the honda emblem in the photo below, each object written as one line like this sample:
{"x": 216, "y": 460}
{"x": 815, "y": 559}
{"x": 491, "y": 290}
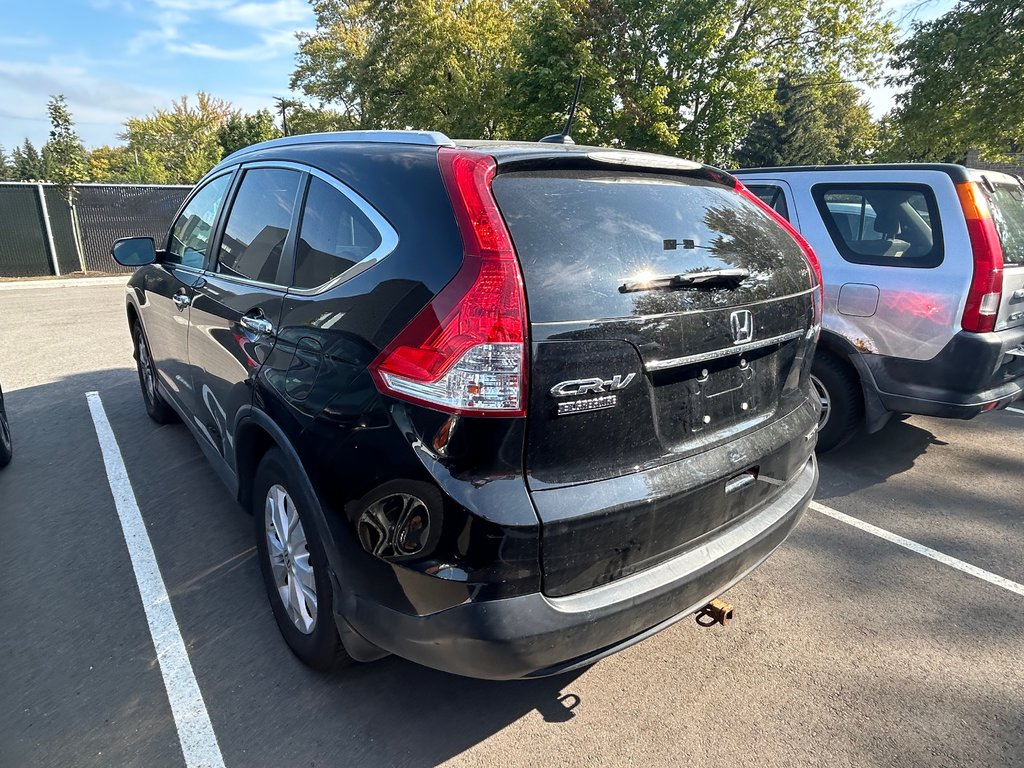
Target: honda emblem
{"x": 741, "y": 323}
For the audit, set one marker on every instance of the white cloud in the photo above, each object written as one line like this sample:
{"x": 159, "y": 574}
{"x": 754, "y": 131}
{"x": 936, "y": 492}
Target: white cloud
{"x": 22, "y": 41}
{"x": 99, "y": 105}
{"x": 269, "y": 15}
{"x": 271, "y": 45}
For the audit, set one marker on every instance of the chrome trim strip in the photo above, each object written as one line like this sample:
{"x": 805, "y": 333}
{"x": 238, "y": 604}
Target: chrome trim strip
{"x": 638, "y": 318}
{"x": 388, "y": 237}
{"x": 660, "y": 365}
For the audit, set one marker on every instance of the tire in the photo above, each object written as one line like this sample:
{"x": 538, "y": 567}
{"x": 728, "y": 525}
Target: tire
{"x": 6, "y": 445}
{"x": 157, "y": 408}
{"x": 297, "y": 571}
{"x": 842, "y": 402}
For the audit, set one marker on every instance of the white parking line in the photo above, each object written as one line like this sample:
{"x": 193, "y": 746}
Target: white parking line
{"x": 195, "y": 731}
{"x": 1015, "y": 410}
{"x": 921, "y": 549}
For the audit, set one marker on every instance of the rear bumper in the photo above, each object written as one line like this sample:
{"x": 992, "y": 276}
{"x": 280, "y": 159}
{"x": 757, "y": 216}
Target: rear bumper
{"x": 535, "y": 635}
{"x": 975, "y": 372}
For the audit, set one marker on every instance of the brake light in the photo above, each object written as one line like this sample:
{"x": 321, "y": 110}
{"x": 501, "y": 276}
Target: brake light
{"x": 813, "y": 264}
{"x": 465, "y": 352}
{"x": 987, "y": 282}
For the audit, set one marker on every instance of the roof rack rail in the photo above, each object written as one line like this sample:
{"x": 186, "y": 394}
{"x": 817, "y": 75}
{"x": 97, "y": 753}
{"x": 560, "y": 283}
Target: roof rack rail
{"x": 427, "y": 138}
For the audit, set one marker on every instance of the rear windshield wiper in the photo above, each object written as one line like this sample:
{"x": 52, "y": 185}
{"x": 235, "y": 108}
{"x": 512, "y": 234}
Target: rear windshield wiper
{"x": 711, "y": 278}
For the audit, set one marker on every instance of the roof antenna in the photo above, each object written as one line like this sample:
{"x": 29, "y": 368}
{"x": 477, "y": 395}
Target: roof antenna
{"x": 564, "y": 137}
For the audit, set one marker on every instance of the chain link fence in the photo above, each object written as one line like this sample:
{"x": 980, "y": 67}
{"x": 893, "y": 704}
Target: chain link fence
{"x": 41, "y": 235}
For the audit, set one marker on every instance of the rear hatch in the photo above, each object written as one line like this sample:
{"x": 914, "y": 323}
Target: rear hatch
{"x": 670, "y": 320}
{"x": 1006, "y": 201}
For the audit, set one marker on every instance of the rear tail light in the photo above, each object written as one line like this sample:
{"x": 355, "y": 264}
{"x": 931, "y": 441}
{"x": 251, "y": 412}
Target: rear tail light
{"x": 987, "y": 283}
{"x": 465, "y": 352}
{"x": 812, "y": 258}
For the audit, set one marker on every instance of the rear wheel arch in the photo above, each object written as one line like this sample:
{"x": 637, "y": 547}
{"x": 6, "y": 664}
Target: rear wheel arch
{"x": 252, "y": 440}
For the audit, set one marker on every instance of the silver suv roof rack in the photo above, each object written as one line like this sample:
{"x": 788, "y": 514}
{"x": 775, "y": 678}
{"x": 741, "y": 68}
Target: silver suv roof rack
{"x": 428, "y": 138}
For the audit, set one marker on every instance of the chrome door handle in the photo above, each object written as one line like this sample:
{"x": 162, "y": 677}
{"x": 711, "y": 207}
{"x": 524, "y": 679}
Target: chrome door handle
{"x": 181, "y": 300}
{"x": 257, "y": 325}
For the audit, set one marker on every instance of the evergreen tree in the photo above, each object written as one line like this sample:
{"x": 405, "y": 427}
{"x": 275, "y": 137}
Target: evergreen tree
{"x": 27, "y": 163}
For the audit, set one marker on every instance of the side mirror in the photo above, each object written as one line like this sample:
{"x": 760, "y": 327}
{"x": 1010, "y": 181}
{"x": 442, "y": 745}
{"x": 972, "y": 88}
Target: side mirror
{"x": 134, "y": 251}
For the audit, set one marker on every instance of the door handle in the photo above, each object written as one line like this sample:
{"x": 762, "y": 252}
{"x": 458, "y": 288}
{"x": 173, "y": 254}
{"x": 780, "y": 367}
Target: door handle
{"x": 181, "y": 300}
{"x": 257, "y": 325}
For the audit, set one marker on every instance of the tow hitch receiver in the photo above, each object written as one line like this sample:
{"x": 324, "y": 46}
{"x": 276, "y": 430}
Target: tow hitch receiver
{"x": 715, "y": 612}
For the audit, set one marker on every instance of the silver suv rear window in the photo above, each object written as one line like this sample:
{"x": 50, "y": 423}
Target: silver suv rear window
{"x": 886, "y": 225}
{"x": 1007, "y": 204}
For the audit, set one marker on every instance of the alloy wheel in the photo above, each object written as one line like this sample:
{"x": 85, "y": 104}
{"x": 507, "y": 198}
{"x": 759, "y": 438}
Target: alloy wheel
{"x": 146, "y": 368}
{"x": 289, "y": 559}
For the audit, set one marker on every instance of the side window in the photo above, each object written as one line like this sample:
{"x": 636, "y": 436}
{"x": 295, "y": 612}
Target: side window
{"x": 335, "y": 236}
{"x": 190, "y": 235}
{"x": 893, "y": 225}
{"x": 258, "y": 223}
{"x": 773, "y": 196}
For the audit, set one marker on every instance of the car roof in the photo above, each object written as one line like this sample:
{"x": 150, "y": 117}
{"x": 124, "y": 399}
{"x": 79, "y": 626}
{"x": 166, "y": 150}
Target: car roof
{"x": 956, "y": 172}
{"x": 524, "y": 153}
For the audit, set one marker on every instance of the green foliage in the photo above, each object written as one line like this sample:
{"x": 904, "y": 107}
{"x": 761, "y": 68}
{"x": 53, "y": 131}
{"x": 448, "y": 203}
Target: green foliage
{"x": 434, "y": 64}
{"x": 303, "y": 118}
{"x": 179, "y": 145}
{"x": 27, "y": 163}
{"x": 815, "y": 122}
{"x": 684, "y": 77}
{"x": 963, "y": 81}
{"x": 63, "y": 155}
{"x": 6, "y": 169}
{"x": 113, "y": 165}
{"x": 242, "y": 130}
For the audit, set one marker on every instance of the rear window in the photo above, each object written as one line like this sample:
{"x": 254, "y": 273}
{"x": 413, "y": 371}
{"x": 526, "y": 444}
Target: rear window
{"x": 1007, "y": 204}
{"x": 887, "y": 225}
{"x": 581, "y": 235}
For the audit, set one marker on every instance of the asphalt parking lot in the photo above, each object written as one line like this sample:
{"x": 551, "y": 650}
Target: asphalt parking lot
{"x": 847, "y": 649}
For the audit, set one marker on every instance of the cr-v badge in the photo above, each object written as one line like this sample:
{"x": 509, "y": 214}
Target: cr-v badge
{"x": 592, "y": 386}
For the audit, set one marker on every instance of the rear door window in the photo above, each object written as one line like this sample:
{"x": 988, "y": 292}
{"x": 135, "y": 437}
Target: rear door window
{"x": 893, "y": 225}
{"x": 191, "y": 233}
{"x": 773, "y": 196}
{"x": 258, "y": 223}
{"x": 334, "y": 236}
{"x": 1007, "y": 204}
{"x": 583, "y": 235}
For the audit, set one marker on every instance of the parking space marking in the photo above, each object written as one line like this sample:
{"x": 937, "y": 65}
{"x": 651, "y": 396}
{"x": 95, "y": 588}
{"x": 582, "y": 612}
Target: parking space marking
{"x": 921, "y": 549}
{"x": 1015, "y": 410}
{"x": 195, "y": 731}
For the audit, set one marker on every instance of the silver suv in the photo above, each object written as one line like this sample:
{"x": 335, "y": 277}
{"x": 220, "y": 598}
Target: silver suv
{"x": 924, "y": 287}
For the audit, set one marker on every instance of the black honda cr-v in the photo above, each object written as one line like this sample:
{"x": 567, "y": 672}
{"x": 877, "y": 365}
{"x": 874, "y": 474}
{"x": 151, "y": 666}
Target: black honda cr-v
{"x": 502, "y": 409}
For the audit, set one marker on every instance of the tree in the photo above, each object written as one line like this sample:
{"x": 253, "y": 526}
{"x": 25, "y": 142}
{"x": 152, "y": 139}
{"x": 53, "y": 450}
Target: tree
{"x": 815, "y": 122}
{"x": 6, "y": 169}
{"x": 434, "y": 64}
{"x": 27, "y": 163}
{"x": 303, "y": 118}
{"x": 63, "y": 154}
{"x": 687, "y": 76}
{"x": 964, "y": 89}
{"x": 179, "y": 145}
{"x": 112, "y": 165}
{"x": 241, "y": 130}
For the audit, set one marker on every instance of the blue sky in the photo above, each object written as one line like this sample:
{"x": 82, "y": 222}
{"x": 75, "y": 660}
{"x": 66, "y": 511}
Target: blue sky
{"x": 116, "y": 58}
